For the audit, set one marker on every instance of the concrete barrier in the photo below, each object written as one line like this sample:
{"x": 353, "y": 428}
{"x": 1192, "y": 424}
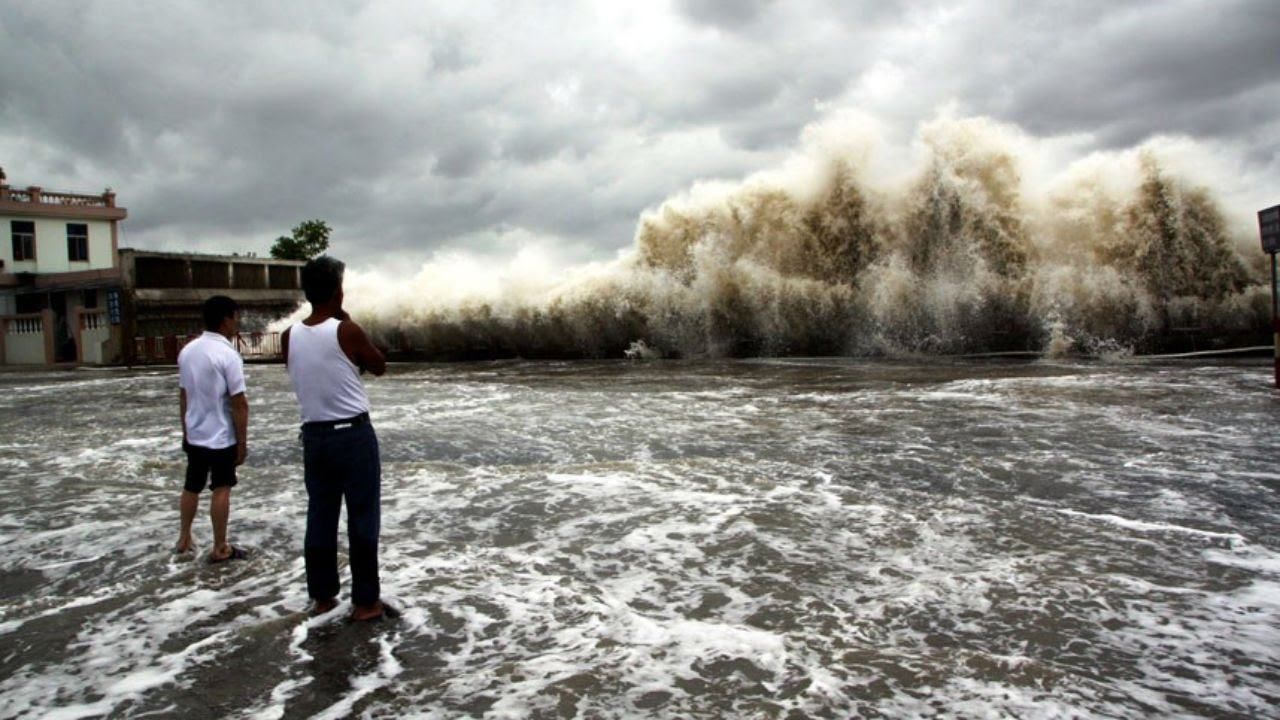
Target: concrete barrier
{"x": 27, "y": 339}
{"x": 94, "y": 336}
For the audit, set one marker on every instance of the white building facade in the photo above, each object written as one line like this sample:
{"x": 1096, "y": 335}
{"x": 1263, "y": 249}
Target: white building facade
{"x": 59, "y": 268}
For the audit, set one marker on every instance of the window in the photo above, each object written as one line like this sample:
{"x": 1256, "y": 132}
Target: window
{"x": 90, "y": 300}
{"x": 77, "y": 242}
{"x": 24, "y": 239}
{"x": 32, "y": 303}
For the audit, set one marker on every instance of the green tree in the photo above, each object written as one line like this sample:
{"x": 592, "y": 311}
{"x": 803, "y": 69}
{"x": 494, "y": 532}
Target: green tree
{"x": 309, "y": 239}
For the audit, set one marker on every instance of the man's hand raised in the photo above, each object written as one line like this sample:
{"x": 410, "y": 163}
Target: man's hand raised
{"x": 355, "y": 343}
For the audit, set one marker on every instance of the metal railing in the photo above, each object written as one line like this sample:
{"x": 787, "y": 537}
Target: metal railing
{"x": 259, "y": 346}
{"x": 165, "y": 348}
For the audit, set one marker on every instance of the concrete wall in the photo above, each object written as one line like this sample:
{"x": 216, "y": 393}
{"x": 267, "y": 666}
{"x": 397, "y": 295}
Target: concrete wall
{"x": 94, "y": 345}
{"x": 24, "y": 340}
{"x": 51, "y": 246}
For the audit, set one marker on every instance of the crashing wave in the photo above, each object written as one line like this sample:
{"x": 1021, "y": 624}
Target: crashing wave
{"x": 843, "y": 252}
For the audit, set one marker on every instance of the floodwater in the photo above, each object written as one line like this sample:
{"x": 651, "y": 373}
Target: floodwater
{"x": 764, "y": 539}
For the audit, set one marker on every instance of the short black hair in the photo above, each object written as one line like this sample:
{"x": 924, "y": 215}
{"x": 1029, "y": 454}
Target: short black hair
{"x": 321, "y": 278}
{"x": 217, "y": 309}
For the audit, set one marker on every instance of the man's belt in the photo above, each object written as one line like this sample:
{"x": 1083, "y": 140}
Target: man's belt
{"x": 361, "y": 419}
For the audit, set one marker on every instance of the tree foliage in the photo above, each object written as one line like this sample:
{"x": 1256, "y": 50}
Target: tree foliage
{"x": 309, "y": 239}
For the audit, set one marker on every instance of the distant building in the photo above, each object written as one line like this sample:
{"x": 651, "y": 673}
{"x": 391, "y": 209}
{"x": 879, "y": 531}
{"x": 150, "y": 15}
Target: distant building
{"x": 69, "y": 294}
{"x": 161, "y": 295}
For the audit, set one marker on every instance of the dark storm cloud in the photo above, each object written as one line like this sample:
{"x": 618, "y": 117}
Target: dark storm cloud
{"x": 462, "y": 159}
{"x": 1120, "y": 71}
{"x": 411, "y": 128}
{"x": 724, "y": 13}
{"x": 533, "y": 144}
{"x": 1162, "y": 67}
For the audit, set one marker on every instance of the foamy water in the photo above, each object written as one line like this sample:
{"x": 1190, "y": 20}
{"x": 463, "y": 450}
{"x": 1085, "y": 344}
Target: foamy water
{"x": 669, "y": 539}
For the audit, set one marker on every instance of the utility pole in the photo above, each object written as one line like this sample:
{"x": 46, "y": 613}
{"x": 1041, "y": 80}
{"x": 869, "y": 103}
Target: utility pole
{"x": 1269, "y": 227}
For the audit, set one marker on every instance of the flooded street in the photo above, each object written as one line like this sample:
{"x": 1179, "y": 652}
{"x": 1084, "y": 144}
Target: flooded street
{"x": 772, "y": 538}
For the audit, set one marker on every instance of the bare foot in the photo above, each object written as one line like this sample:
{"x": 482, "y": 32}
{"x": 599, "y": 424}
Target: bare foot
{"x": 185, "y": 545}
{"x": 227, "y": 552}
{"x": 362, "y": 613}
{"x": 320, "y": 607}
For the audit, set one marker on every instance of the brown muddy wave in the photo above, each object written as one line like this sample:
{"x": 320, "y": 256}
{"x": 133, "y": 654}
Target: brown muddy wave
{"x": 947, "y": 249}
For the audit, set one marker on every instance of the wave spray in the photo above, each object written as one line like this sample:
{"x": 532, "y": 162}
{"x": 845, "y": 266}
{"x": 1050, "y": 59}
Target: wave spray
{"x": 970, "y": 240}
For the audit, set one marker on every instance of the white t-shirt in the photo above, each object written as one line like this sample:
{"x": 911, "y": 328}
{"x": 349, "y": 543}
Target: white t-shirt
{"x": 211, "y": 372}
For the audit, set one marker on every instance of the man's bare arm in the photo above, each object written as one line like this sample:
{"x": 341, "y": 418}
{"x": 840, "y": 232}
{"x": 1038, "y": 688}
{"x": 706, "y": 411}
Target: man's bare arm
{"x": 284, "y": 345}
{"x": 182, "y": 412}
{"x": 355, "y": 343}
{"x": 240, "y": 418}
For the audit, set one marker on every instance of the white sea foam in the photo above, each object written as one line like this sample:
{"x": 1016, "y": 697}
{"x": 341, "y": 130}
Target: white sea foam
{"x": 874, "y": 556}
{"x": 1235, "y": 539}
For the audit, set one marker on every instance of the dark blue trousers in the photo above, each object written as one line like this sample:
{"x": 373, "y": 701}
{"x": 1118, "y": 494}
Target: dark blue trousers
{"x": 342, "y": 464}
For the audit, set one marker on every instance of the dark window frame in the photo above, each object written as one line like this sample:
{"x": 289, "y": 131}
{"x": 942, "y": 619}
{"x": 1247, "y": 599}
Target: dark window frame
{"x": 24, "y": 241}
{"x": 78, "y": 244}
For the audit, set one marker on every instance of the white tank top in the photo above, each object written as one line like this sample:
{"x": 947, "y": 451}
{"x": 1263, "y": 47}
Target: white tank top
{"x": 325, "y": 380}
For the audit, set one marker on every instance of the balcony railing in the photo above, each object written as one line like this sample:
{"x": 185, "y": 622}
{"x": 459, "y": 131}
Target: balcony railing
{"x": 39, "y": 196}
{"x": 93, "y": 319}
{"x": 25, "y": 324}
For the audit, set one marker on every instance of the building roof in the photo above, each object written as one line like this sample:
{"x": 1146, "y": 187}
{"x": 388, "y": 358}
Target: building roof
{"x": 251, "y": 259}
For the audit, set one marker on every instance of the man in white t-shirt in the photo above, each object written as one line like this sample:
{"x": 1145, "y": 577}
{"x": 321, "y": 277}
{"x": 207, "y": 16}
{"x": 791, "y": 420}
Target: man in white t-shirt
{"x": 215, "y": 422}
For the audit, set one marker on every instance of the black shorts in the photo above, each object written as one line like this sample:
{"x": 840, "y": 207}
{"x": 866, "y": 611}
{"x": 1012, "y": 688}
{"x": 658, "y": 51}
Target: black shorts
{"x": 203, "y": 462}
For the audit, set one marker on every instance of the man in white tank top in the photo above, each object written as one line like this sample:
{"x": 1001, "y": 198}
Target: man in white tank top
{"x": 325, "y": 355}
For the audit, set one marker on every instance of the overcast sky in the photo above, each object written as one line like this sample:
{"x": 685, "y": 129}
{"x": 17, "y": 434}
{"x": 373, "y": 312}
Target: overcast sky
{"x": 415, "y": 127}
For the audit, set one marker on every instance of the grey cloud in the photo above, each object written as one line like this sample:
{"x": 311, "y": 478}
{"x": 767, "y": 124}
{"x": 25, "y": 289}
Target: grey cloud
{"x": 462, "y": 160}
{"x": 415, "y": 128}
{"x": 1123, "y": 75}
{"x": 450, "y": 57}
{"x": 763, "y": 135}
{"x": 534, "y": 142}
{"x": 736, "y": 83}
{"x": 724, "y": 13}
{"x": 744, "y": 90}
{"x": 778, "y": 123}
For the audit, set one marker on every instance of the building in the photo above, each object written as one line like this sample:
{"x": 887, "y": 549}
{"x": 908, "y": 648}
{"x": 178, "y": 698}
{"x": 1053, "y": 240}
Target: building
{"x": 161, "y": 295}
{"x": 70, "y": 294}
{"x": 55, "y": 270}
